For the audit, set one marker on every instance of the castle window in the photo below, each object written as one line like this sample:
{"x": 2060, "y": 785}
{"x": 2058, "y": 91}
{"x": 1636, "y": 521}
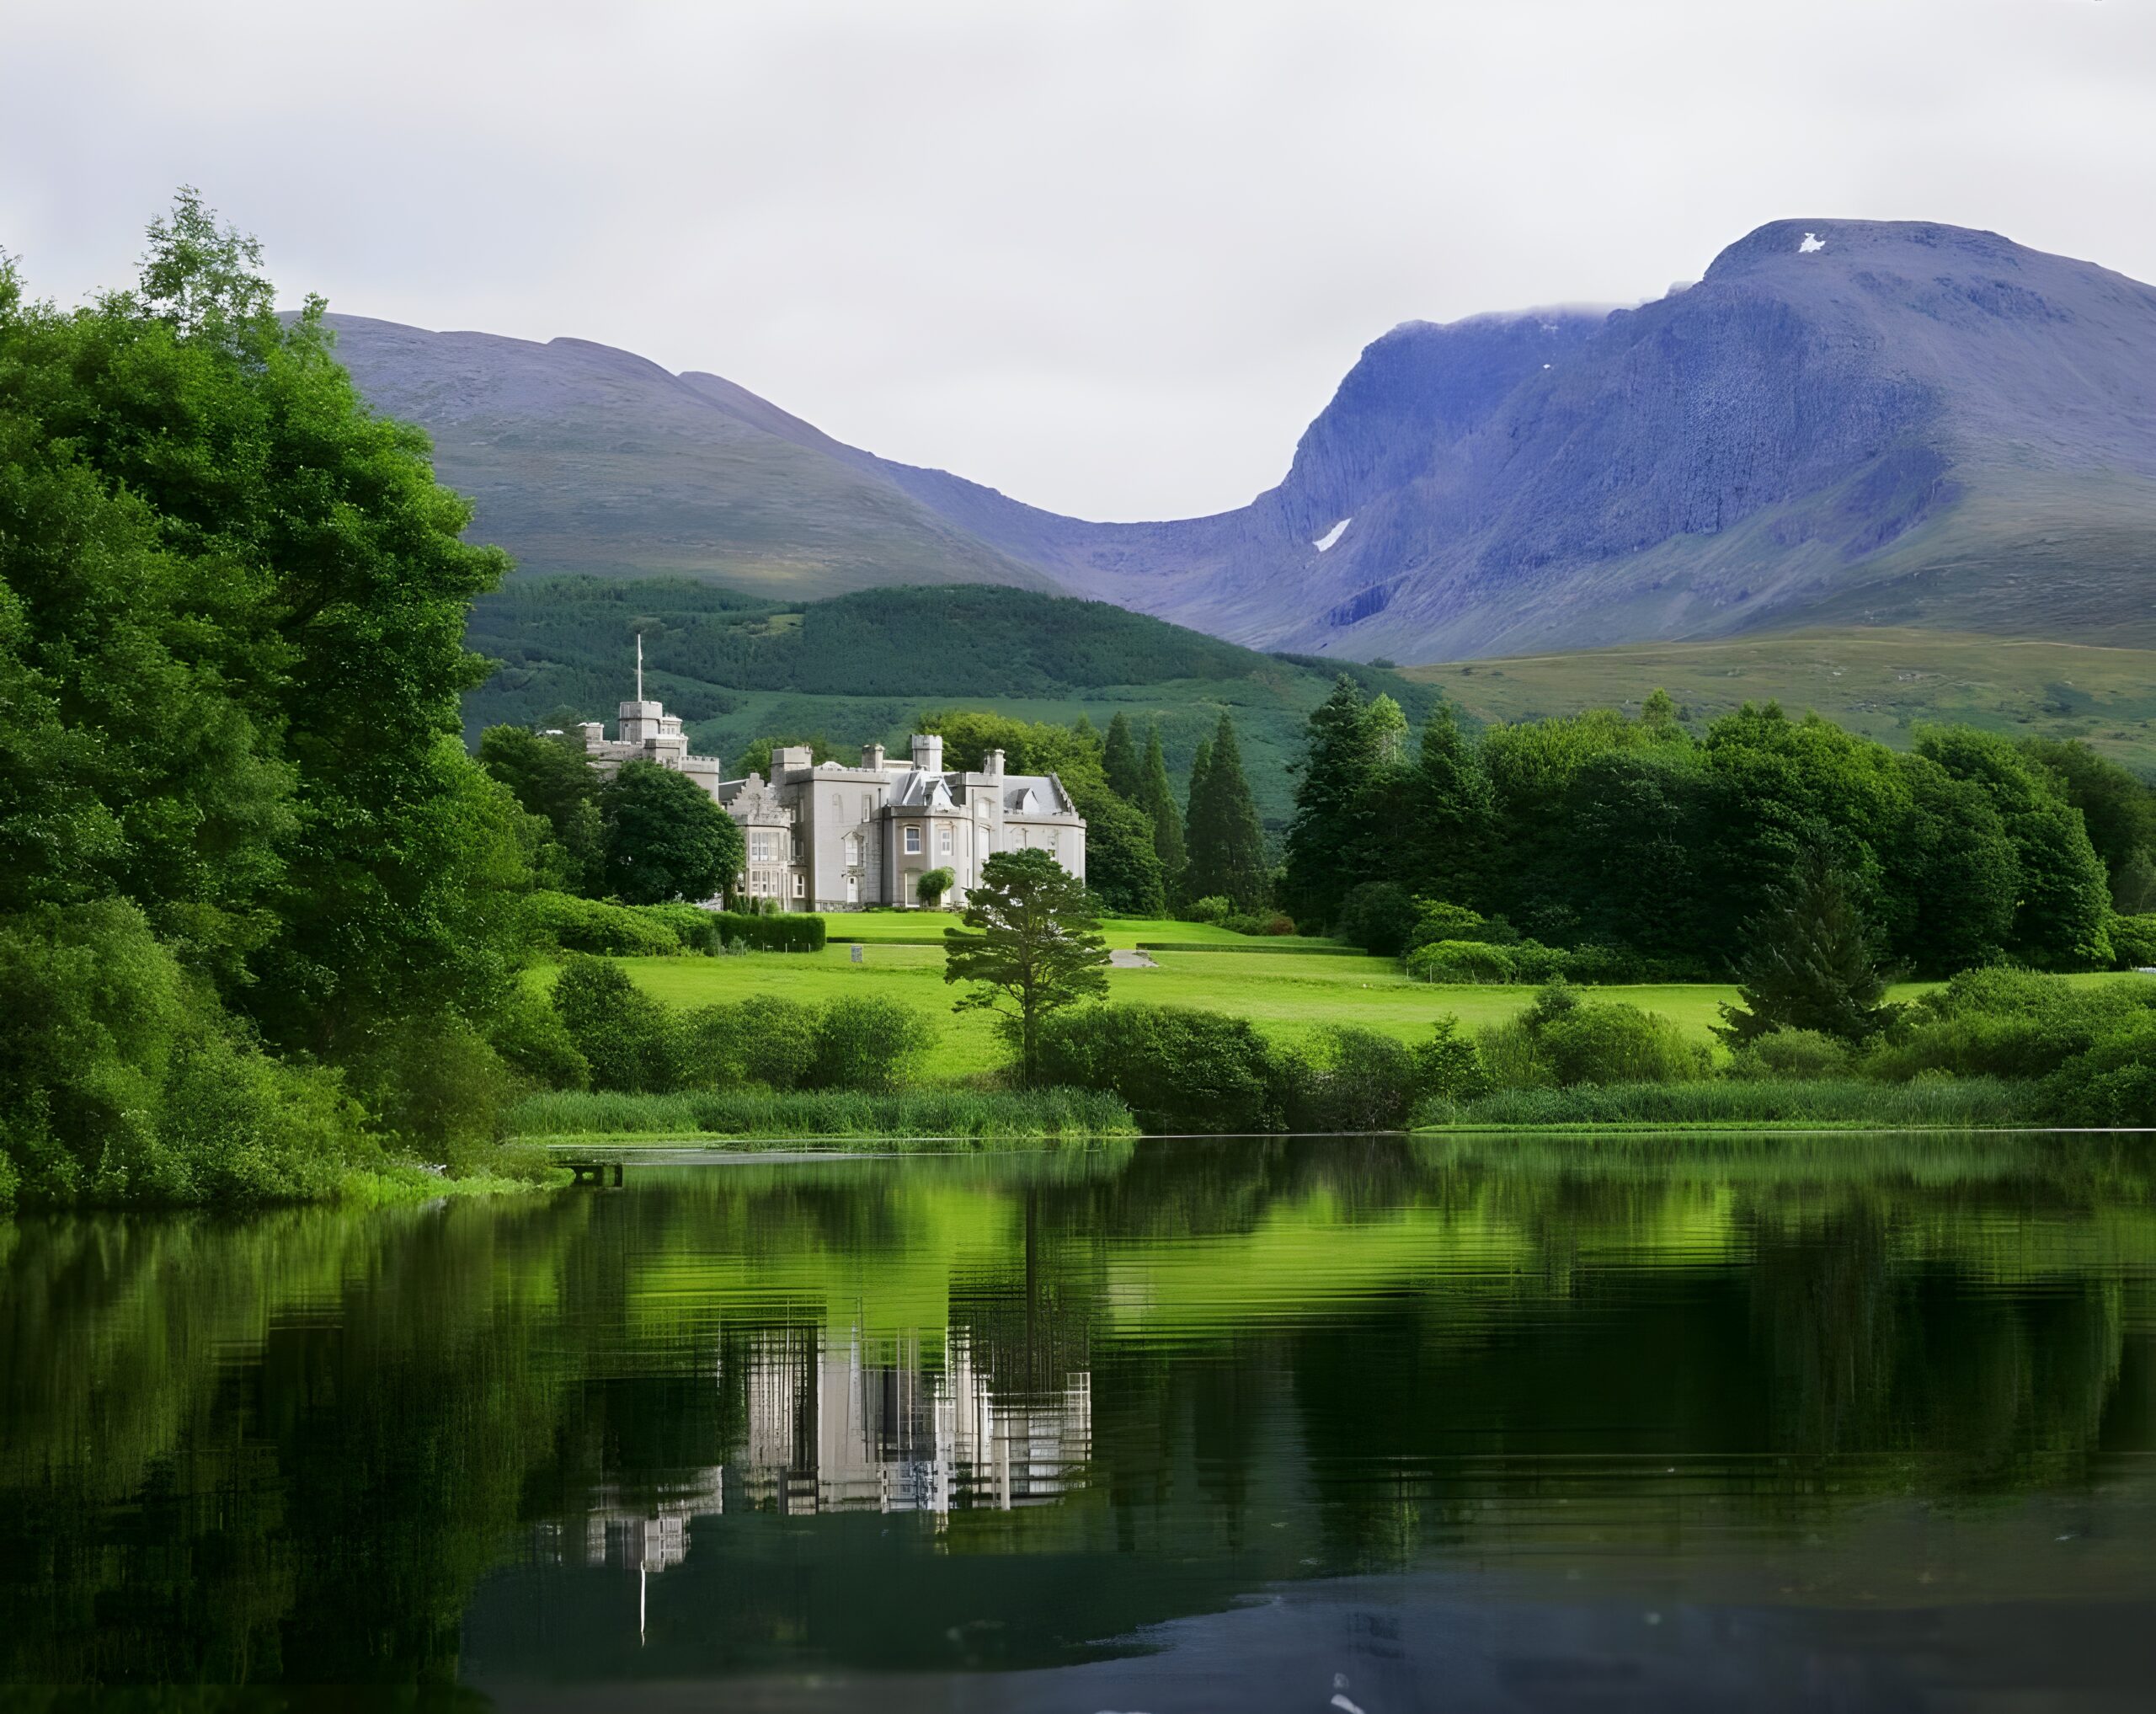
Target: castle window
{"x": 913, "y": 842}
{"x": 801, "y": 886}
{"x": 943, "y": 841}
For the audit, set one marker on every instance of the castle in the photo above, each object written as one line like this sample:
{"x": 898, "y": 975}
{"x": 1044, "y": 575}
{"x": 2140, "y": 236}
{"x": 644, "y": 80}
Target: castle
{"x": 837, "y": 836}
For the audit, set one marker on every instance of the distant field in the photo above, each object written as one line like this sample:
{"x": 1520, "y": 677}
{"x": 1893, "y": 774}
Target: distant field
{"x": 1882, "y": 682}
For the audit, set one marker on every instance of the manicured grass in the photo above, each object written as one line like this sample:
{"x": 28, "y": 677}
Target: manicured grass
{"x": 1287, "y": 996}
{"x": 926, "y": 927}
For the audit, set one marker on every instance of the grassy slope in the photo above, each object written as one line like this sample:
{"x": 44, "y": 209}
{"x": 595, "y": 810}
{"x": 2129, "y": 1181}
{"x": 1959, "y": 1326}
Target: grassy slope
{"x": 1882, "y": 682}
{"x": 861, "y": 667}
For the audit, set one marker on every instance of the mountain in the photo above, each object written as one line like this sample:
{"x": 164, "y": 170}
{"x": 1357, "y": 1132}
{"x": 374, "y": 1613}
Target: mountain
{"x": 583, "y": 458}
{"x": 1842, "y": 422}
{"x": 859, "y": 667}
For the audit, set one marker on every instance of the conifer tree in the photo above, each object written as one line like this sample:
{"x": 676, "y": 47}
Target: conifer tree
{"x": 1119, "y": 757}
{"x": 1808, "y": 962}
{"x": 1227, "y": 848}
{"x": 1452, "y": 815}
{"x": 1344, "y": 831}
{"x": 1157, "y": 798}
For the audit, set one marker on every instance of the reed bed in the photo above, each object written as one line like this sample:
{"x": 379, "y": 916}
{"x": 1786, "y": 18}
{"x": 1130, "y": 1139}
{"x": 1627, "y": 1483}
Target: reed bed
{"x": 973, "y": 1116}
{"x": 1824, "y": 1102}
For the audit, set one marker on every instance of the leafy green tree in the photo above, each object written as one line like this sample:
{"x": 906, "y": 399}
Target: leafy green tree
{"x": 2063, "y": 892}
{"x": 1157, "y": 798}
{"x": 665, "y": 839}
{"x": 1121, "y": 862}
{"x": 1031, "y": 947}
{"x": 629, "y": 1040}
{"x": 1227, "y": 848}
{"x": 551, "y": 778}
{"x": 1348, "y": 803}
{"x": 1119, "y": 758}
{"x": 1808, "y": 962}
{"x": 1954, "y": 873}
{"x": 2117, "y": 807}
{"x": 930, "y": 888}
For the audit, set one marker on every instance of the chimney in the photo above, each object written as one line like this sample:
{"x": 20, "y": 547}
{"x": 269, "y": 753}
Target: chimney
{"x": 928, "y": 752}
{"x": 871, "y": 757}
{"x": 992, "y": 765}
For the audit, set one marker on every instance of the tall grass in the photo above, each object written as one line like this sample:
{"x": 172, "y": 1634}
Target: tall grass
{"x": 969, "y": 1115}
{"x": 1828, "y": 1102}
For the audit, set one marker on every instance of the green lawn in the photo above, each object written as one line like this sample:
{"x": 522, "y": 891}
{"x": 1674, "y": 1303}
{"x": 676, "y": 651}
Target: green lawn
{"x": 1117, "y": 931}
{"x": 1287, "y": 995}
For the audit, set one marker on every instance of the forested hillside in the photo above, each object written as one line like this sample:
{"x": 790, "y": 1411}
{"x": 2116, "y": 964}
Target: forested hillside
{"x": 863, "y": 666}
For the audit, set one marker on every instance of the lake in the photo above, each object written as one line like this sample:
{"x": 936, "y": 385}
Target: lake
{"x": 1372, "y": 1425}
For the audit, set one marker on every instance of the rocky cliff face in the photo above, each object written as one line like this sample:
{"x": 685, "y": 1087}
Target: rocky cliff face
{"x": 1841, "y": 421}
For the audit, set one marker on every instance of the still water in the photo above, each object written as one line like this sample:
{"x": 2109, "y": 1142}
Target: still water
{"x": 1370, "y": 1424}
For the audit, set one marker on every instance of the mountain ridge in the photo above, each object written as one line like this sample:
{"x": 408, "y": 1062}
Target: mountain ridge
{"x": 1839, "y": 422}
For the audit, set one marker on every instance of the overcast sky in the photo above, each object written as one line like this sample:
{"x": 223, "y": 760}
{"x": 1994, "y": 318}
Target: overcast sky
{"x": 1110, "y": 258}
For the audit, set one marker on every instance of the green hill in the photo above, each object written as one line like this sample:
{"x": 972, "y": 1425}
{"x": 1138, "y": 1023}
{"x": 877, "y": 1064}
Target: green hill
{"x": 859, "y": 667}
{"x": 1881, "y": 683}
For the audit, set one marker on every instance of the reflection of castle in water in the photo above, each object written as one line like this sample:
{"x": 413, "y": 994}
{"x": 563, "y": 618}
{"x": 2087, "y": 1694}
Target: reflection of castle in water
{"x": 829, "y": 1428}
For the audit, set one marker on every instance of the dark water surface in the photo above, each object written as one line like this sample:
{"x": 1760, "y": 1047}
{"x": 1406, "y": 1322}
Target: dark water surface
{"x": 1378, "y": 1424}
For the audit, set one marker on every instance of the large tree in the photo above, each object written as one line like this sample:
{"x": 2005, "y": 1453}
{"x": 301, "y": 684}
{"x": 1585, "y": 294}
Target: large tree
{"x": 664, "y": 838}
{"x": 1227, "y": 846}
{"x": 1120, "y": 759}
{"x": 1157, "y": 798}
{"x": 1351, "y": 800}
{"x": 1031, "y": 945}
{"x": 233, "y": 603}
{"x": 1808, "y": 962}
{"x": 1451, "y": 815}
{"x": 551, "y": 778}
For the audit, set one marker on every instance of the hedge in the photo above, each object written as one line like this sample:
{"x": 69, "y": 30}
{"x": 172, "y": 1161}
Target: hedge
{"x": 786, "y": 933}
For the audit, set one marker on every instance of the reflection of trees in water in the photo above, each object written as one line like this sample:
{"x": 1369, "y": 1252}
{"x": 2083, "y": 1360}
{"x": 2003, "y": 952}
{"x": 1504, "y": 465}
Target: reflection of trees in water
{"x": 228, "y": 1447}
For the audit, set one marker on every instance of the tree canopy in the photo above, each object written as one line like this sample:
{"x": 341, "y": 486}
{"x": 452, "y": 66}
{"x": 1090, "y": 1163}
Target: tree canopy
{"x": 1030, "y": 946}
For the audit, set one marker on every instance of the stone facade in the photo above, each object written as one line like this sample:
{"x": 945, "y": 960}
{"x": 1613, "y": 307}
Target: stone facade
{"x": 839, "y": 836}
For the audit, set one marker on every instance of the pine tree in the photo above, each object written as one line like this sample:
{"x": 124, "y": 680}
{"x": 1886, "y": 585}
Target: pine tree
{"x": 1452, "y": 815}
{"x": 1345, "y": 829}
{"x": 1808, "y": 962}
{"x": 1157, "y": 798}
{"x": 1119, "y": 757}
{"x": 1227, "y": 848}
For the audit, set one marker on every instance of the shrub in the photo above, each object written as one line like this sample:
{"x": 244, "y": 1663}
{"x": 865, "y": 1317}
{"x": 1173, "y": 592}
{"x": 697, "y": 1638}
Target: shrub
{"x": 1214, "y": 907}
{"x": 1461, "y": 961}
{"x": 1534, "y": 962}
{"x": 1352, "y": 1079}
{"x": 435, "y": 1084}
{"x": 1177, "y": 1069}
{"x": 1261, "y": 923}
{"x": 1447, "y": 1066}
{"x": 1791, "y": 1054}
{"x": 788, "y": 932}
{"x": 627, "y": 1038}
{"x": 774, "y": 1042}
{"x": 867, "y": 1042}
{"x": 1377, "y": 917}
{"x": 1563, "y": 1040}
{"x": 535, "y": 1044}
{"x": 121, "y": 1080}
{"x": 2133, "y": 941}
{"x": 2004, "y": 1023}
{"x": 2114, "y": 1082}
{"x": 573, "y": 925}
{"x": 1437, "y": 920}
